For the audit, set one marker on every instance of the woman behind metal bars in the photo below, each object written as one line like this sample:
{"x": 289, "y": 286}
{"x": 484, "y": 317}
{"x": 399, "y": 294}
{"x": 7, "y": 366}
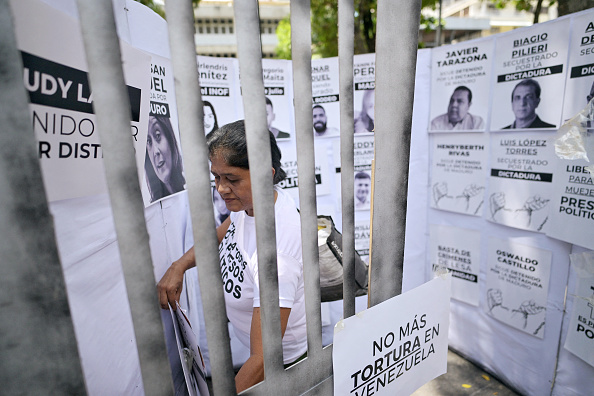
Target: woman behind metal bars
{"x": 238, "y": 255}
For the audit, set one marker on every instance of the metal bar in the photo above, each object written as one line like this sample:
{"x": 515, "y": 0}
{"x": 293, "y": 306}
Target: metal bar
{"x": 249, "y": 52}
{"x": 38, "y": 344}
{"x": 190, "y": 113}
{"x": 346, "y": 48}
{"x": 396, "y": 49}
{"x": 301, "y": 54}
{"x": 438, "y": 40}
{"x": 112, "y": 109}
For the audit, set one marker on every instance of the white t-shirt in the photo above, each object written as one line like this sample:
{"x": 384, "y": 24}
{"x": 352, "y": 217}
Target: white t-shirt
{"x": 239, "y": 270}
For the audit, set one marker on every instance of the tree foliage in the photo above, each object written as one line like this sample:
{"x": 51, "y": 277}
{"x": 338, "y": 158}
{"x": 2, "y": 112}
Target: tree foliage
{"x": 524, "y": 5}
{"x": 324, "y": 28}
{"x": 159, "y": 8}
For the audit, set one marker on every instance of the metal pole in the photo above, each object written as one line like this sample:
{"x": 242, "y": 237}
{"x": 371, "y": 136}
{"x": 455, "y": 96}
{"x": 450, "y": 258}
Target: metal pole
{"x": 346, "y": 48}
{"x": 249, "y": 52}
{"x": 190, "y": 112}
{"x": 38, "y": 344}
{"x": 301, "y": 54}
{"x": 112, "y": 109}
{"x": 438, "y": 43}
{"x": 396, "y": 48}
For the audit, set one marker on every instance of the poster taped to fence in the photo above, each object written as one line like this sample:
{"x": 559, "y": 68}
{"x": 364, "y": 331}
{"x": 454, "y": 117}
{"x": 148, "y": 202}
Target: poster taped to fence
{"x": 458, "y": 172}
{"x": 580, "y": 335}
{"x": 580, "y": 71}
{"x": 520, "y": 186}
{"x": 396, "y": 346}
{"x": 517, "y": 285}
{"x": 460, "y": 86}
{"x": 322, "y": 170}
{"x": 326, "y": 98}
{"x": 362, "y": 233}
{"x": 61, "y": 101}
{"x": 363, "y": 157}
{"x": 529, "y": 77}
{"x": 163, "y": 167}
{"x": 457, "y": 250}
{"x": 364, "y": 95}
{"x": 278, "y": 88}
{"x": 218, "y": 86}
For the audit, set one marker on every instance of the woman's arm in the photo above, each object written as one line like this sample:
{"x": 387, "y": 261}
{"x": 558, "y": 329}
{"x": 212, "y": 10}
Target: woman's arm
{"x": 252, "y": 370}
{"x": 222, "y": 229}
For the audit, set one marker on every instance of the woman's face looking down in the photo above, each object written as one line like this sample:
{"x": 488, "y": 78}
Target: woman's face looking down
{"x": 159, "y": 152}
{"x": 233, "y": 184}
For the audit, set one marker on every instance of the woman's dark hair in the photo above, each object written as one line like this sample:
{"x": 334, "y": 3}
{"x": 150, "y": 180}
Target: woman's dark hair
{"x": 229, "y": 141}
{"x": 363, "y": 116}
{"x": 156, "y": 187}
{"x": 206, "y": 103}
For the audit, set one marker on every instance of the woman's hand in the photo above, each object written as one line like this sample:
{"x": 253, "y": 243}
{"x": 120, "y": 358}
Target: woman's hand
{"x": 171, "y": 284}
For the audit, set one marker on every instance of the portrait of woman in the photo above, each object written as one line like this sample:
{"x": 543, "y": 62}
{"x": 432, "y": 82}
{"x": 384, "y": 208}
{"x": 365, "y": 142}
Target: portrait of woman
{"x": 227, "y": 148}
{"x": 364, "y": 120}
{"x": 163, "y": 164}
{"x": 210, "y": 117}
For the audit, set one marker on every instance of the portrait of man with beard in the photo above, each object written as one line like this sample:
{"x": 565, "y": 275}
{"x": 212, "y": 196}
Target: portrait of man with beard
{"x": 320, "y": 122}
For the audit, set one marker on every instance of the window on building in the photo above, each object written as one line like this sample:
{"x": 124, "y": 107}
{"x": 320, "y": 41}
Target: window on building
{"x": 215, "y": 29}
{"x": 208, "y": 29}
{"x": 230, "y": 29}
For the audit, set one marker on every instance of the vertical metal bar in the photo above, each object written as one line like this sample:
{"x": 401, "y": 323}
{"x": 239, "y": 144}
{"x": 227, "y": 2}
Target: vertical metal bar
{"x": 249, "y": 52}
{"x": 346, "y": 49}
{"x": 301, "y": 54}
{"x": 38, "y": 344}
{"x": 112, "y": 109}
{"x": 396, "y": 55}
{"x": 438, "y": 41}
{"x": 180, "y": 19}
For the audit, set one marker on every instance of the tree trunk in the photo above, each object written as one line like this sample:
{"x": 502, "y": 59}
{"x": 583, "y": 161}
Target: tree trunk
{"x": 537, "y": 11}
{"x": 566, "y": 7}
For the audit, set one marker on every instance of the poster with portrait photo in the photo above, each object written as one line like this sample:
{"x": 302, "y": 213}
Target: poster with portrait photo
{"x": 61, "y": 102}
{"x": 457, "y": 250}
{"x": 521, "y": 176}
{"x": 364, "y": 95}
{"x": 572, "y": 203}
{"x": 219, "y": 89}
{"x": 460, "y": 86}
{"x": 163, "y": 165}
{"x": 529, "y": 77}
{"x": 278, "y": 83}
{"x": 325, "y": 96}
{"x": 459, "y": 172}
{"x": 517, "y": 285}
{"x": 579, "y": 88}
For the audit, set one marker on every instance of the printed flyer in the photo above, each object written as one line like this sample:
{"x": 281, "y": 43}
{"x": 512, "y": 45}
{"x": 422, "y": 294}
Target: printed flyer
{"x": 458, "y": 251}
{"x": 579, "y": 89}
{"x": 460, "y": 86}
{"x": 362, "y": 233}
{"x": 322, "y": 171}
{"x": 61, "y": 101}
{"x": 326, "y": 102}
{"x": 520, "y": 186}
{"x": 163, "y": 166}
{"x": 218, "y": 86}
{"x": 364, "y": 95}
{"x": 396, "y": 346}
{"x": 517, "y": 285}
{"x": 458, "y": 172}
{"x": 278, "y": 83}
{"x": 581, "y": 327}
{"x": 363, "y": 157}
{"x": 529, "y": 75}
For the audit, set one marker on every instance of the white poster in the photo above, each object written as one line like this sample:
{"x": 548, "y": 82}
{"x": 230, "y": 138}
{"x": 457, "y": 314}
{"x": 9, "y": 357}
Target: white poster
{"x": 572, "y": 206}
{"x": 396, "y": 346}
{"x": 219, "y": 89}
{"x": 580, "y": 71}
{"x": 61, "y": 101}
{"x": 362, "y": 234}
{"x": 364, "y": 95}
{"x": 520, "y": 186}
{"x": 322, "y": 171}
{"x": 460, "y": 86}
{"x": 517, "y": 285}
{"x": 326, "y": 102}
{"x": 580, "y": 336}
{"x": 278, "y": 83}
{"x": 529, "y": 76}
{"x": 458, "y": 251}
{"x": 459, "y": 172}
{"x": 363, "y": 157}
{"x": 163, "y": 166}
